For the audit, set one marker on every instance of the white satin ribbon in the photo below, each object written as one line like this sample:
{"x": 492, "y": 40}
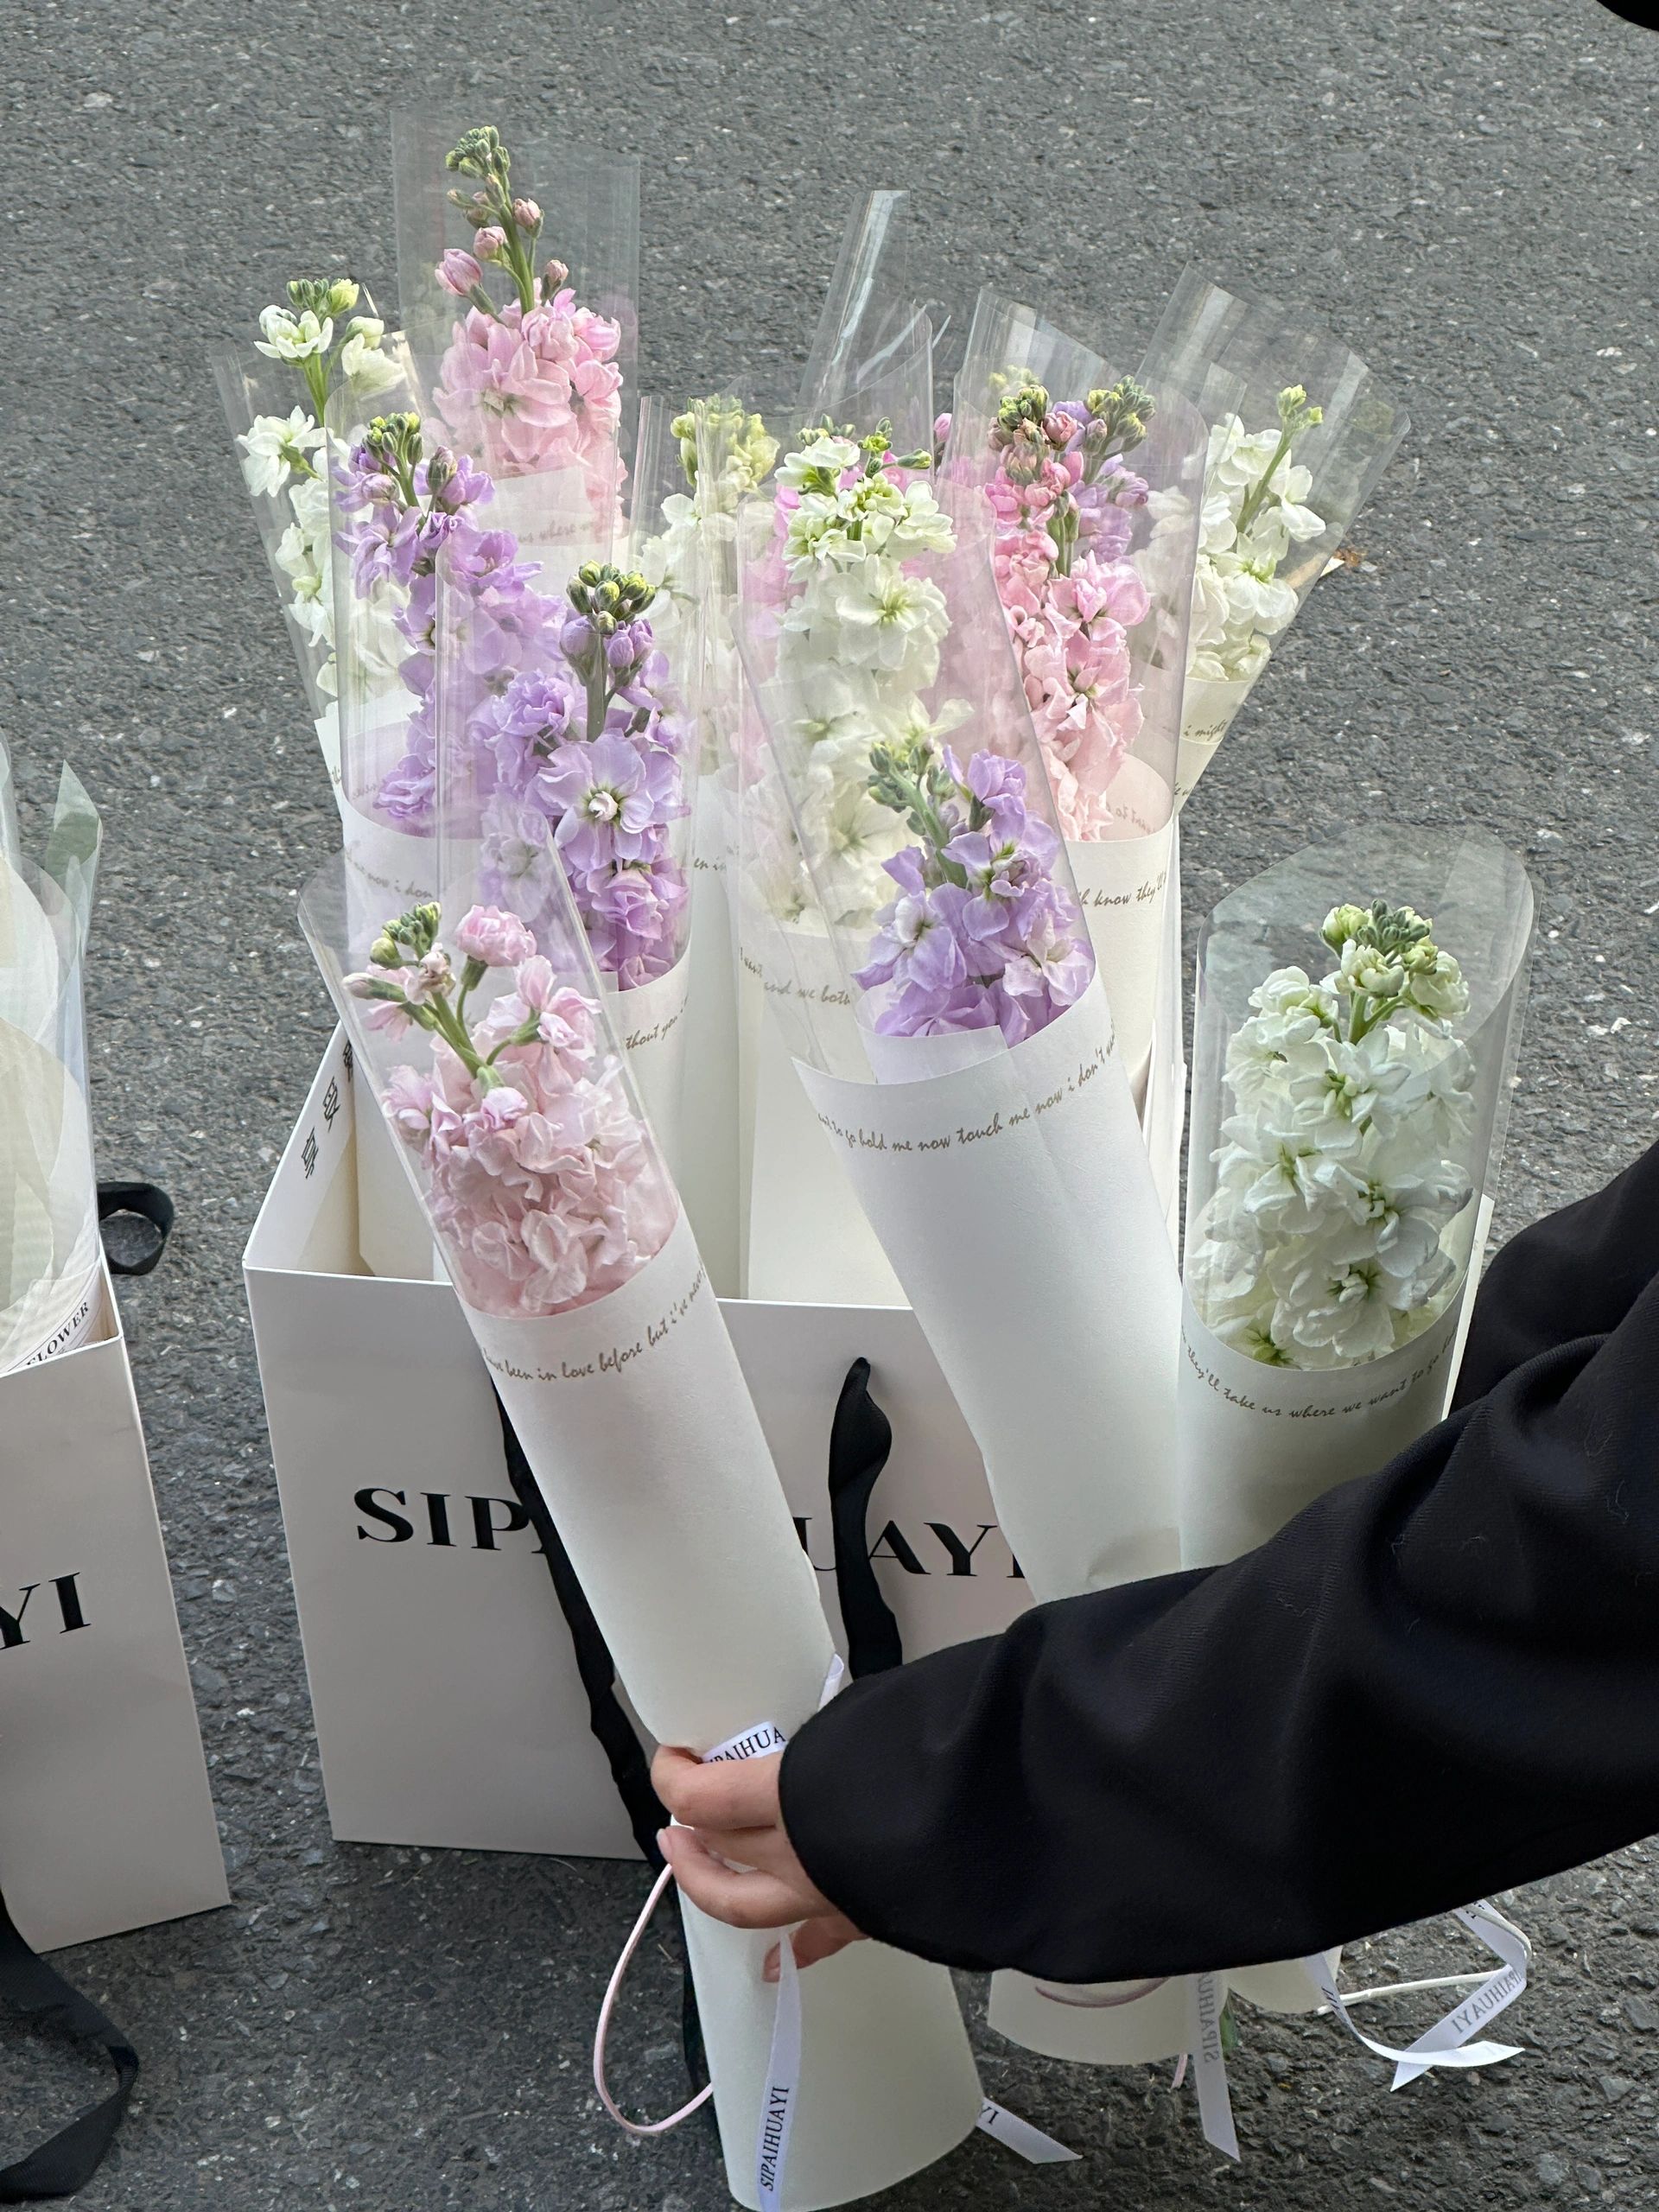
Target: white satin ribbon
{"x": 1446, "y": 2044}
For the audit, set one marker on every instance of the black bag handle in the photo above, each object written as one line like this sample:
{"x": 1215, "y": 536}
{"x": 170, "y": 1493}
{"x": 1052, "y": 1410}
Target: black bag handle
{"x": 131, "y": 1249}
{"x": 69, "y": 2159}
{"x": 860, "y": 1439}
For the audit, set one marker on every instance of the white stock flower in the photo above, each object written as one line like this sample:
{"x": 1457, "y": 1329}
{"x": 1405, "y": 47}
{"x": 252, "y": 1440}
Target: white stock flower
{"x": 289, "y": 337}
{"x": 1327, "y": 1239}
{"x": 271, "y": 447}
{"x": 822, "y": 456}
{"x": 366, "y": 368}
{"x": 1438, "y": 990}
{"x": 886, "y": 621}
{"x": 1337, "y": 1311}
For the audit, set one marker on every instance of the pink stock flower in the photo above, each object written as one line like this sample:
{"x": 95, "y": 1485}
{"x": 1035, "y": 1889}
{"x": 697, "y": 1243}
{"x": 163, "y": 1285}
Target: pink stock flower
{"x": 498, "y": 940}
{"x": 1070, "y": 600}
{"x": 543, "y": 1186}
{"x": 458, "y": 271}
{"x": 534, "y": 389}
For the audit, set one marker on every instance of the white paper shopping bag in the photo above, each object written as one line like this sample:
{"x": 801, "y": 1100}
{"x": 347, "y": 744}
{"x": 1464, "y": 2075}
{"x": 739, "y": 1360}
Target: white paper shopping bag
{"x": 105, "y": 1819}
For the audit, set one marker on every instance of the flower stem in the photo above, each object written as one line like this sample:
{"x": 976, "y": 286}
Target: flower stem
{"x": 1258, "y": 491}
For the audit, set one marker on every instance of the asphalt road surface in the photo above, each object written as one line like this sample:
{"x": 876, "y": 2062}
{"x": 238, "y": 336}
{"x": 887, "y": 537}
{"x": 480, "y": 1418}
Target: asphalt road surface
{"x": 1464, "y": 191}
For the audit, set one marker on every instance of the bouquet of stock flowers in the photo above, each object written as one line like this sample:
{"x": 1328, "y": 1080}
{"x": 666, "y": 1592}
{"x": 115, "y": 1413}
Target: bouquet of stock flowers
{"x": 1347, "y": 1127}
{"x": 276, "y": 397}
{"x": 951, "y": 1031}
{"x": 1300, "y": 430}
{"x": 1093, "y": 485}
{"x": 489, "y": 1046}
{"x": 49, "y": 1254}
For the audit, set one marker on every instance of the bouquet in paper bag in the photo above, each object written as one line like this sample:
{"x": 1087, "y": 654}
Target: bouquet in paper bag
{"x": 49, "y": 1254}
{"x": 489, "y": 1046}
{"x": 1300, "y": 430}
{"x": 1069, "y": 460}
{"x": 954, "y": 1037}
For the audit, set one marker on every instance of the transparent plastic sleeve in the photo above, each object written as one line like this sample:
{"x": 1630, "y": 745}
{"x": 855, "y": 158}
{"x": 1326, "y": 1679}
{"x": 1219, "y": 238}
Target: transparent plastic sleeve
{"x": 862, "y": 365}
{"x": 1300, "y": 430}
{"x": 493, "y": 1054}
{"x": 279, "y": 436}
{"x": 566, "y": 747}
{"x": 1093, "y": 486}
{"x": 518, "y": 268}
{"x": 1350, "y": 1093}
{"x": 398, "y": 496}
{"x": 48, "y": 1215}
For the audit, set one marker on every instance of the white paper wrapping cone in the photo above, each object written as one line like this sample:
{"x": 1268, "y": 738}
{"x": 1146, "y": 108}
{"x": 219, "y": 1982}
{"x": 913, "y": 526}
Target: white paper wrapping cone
{"x": 1017, "y": 1206}
{"x": 651, "y": 1021}
{"x": 1016, "y": 1202}
{"x": 1284, "y": 1987}
{"x": 710, "y": 1115}
{"x": 635, "y": 1418}
{"x": 809, "y": 1240}
{"x": 31, "y": 958}
{"x": 1122, "y": 884}
{"x": 1207, "y": 712}
{"x": 1119, "y": 2030}
{"x": 1255, "y": 1444}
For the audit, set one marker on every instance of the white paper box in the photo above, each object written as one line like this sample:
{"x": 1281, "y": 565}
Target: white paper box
{"x": 107, "y": 1822}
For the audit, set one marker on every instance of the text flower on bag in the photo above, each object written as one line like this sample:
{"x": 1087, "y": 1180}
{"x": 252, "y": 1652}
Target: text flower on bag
{"x": 542, "y": 1182}
{"x": 1322, "y": 1245}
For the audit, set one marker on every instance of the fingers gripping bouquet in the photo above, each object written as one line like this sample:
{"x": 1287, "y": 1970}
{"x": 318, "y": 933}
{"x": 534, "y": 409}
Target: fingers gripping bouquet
{"x": 489, "y": 1044}
{"x": 1093, "y": 486}
{"x": 1350, "y": 1083}
{"x": 966, "y": 1068}
{"x": 1301, "y": 431}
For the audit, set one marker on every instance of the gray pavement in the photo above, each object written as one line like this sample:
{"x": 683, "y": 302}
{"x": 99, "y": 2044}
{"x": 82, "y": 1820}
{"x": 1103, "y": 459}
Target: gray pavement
{"x": 1461, "y": 188}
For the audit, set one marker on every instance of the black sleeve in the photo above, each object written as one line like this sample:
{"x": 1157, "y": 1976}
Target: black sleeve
{"x": 1435, "y": 1682}
{"x": 1575, "y": 1274}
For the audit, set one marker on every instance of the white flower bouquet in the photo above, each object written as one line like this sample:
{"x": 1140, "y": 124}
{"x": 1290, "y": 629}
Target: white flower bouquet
{"x": 48, "y": 1209}
{"x": 1351, "y": 1088}
{"x": 275, "y": 395}
{"x": 1301, "y": 431}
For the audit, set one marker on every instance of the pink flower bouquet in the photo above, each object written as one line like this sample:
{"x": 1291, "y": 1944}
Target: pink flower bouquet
{"x": 489, "y": 1048}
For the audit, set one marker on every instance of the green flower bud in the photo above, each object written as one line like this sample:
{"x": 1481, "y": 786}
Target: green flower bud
{"x": 1342, "y": 924}
{"x": 384, "y": 951}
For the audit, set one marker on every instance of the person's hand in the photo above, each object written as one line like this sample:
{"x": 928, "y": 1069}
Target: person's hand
{"x": 730, "y": 1811}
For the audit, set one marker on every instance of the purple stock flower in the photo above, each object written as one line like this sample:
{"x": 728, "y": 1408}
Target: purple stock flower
{"x": 980, "y": 935}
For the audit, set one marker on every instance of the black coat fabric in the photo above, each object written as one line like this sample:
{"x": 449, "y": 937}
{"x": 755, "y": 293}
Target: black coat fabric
{"x": 1437, "y": 1682}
